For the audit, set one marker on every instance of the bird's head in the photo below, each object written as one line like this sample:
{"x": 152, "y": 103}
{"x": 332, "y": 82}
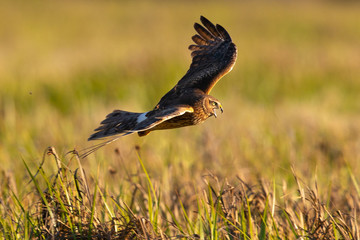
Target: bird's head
{"x": 211, "y": 104}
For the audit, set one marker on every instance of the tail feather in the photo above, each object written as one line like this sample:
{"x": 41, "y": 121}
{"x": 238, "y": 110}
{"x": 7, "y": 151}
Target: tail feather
{"x": 117, "y": 122}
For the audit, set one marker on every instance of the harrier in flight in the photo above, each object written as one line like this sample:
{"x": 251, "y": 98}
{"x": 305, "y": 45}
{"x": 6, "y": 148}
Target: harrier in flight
{"x": 188, "y": 103}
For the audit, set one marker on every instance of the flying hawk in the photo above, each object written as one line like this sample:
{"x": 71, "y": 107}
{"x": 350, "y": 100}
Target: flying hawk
{"x": 188, "y": 103}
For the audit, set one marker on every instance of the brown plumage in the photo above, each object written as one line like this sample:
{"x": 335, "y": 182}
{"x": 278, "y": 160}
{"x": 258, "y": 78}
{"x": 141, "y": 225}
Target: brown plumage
{"x": 188, "y": 103}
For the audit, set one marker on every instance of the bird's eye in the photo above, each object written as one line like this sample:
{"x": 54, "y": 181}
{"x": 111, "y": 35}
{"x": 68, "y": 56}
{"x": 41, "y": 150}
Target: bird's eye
{"x": 214, "y": 103}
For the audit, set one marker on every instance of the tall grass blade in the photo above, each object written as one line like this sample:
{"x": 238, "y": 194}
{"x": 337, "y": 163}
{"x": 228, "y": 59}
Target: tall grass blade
{"x": 93, "y": 204}
{"x": 43, "y": 198}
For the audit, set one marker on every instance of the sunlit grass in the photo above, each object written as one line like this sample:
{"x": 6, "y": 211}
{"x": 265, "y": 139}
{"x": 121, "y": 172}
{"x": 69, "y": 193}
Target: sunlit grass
{"x": 69, "y": 205}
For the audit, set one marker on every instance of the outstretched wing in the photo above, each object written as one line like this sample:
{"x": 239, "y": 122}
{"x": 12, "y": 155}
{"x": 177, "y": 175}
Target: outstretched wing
{"x": 112, "y": 132}
{"x": 213, "y": 55}
{"x": 123, "y": 123}
{"x": 161, "y": 116}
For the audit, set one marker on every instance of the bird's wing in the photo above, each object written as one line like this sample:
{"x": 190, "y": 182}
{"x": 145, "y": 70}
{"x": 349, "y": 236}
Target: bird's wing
{"x": 162, "y": 115}
{"x": 147, "y": 123}
{"x": 213, "y": 55}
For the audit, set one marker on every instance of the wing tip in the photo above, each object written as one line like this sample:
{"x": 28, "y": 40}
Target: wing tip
{"x": 102, "y": 135}
{"x": 223, "y": 32}
{"x": 220, "y": 29}
{"x": 94, "y": 136}
{"x": 202, "y": 18}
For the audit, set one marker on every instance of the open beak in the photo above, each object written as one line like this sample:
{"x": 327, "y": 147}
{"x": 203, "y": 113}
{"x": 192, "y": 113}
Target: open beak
{"x": 221, "y": 109}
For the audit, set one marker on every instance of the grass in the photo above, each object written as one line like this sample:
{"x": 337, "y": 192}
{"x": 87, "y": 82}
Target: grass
{"x": 280, "y": 163}
{"x": 68, "y": 205}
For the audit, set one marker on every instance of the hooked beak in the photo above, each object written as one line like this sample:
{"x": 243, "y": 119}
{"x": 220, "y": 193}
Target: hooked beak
{"x": 221, "y": 109}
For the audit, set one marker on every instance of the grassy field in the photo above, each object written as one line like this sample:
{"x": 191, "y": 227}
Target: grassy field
{"x": 280, "y": 163}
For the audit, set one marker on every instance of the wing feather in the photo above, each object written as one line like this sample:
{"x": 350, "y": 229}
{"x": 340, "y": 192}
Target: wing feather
{"x": 162, "y": 116}
{"x": 203, "y": 32}
{"x": 151, "y": 121}
{"x": 210, "y": 26}
{"x": 225, "y": 35}
{"x": 198, "y": 40}
{"x": 196, "y": 47}
{"x": 213, "y": 55}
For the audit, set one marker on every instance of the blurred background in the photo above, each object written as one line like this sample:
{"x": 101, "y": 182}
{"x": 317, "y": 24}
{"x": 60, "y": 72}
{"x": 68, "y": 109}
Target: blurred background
{"x": 292, "y": 98}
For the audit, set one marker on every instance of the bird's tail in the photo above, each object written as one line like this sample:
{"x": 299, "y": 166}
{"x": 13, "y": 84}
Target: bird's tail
{"x": 116, "y": 123}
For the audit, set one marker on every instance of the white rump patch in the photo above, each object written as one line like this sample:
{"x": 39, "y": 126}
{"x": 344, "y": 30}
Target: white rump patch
{"x": 141, "y": 117}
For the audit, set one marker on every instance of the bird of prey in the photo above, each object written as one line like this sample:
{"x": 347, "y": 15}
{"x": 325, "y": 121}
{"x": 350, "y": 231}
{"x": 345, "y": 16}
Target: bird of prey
{"x": 188, "y": 102}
